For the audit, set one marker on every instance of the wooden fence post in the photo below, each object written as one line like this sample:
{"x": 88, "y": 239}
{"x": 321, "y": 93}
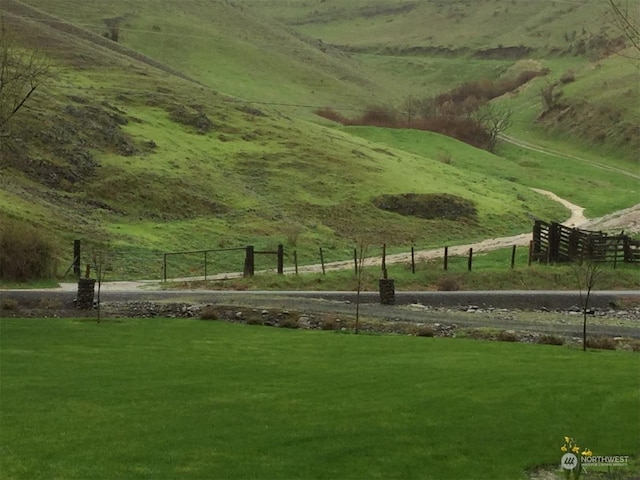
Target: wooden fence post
{"x": 322, "y": 261}
{"x": 446, "y": 257}
{"x": 384, "y": 260}
{"x": 535, "y": 248}
{"x": 355, "y": 260}
{"x": 413, "y": 260}
{"x": 164, "y": 268}
{"x": 280, "y": 259}
{"x": 249, "y": 261}
{"x": 513, "y": 257}
{"x": 295, "y": 260}
{"x": 76, "y": 258}
{"x": 205, "y": 265}
{"x": 470, "y": 261}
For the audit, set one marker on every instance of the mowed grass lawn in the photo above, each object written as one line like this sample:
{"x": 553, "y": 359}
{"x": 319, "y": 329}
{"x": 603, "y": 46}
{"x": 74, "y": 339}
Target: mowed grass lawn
{"x": 180, "y": 399}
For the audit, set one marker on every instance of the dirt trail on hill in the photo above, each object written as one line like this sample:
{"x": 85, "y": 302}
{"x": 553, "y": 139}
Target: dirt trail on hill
{"x": 555, "y": 153}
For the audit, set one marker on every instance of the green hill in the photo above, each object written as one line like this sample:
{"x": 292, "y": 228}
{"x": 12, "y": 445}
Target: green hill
{"x": 196, "y": 130}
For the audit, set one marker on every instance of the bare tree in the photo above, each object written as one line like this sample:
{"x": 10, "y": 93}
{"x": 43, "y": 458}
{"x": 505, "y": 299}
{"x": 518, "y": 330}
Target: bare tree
{"x": 360, "y": 253}
{"x": 586, "y": 275}
{"x": 626, "y": 16}
{"x": 22, "y": 71}
{"x": 494, "y": 120}
{"x": 100, "y": 260}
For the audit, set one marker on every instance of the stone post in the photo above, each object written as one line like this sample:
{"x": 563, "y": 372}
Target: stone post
{"x": 86, "y": 289}
{"x": 387, "y": 291}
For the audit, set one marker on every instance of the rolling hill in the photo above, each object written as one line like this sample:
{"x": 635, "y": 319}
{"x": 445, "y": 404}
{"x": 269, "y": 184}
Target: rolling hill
{"x": 196, "y": 129}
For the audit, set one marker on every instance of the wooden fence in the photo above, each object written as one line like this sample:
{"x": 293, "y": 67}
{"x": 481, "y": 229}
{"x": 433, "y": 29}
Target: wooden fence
{"x": 553, "y": 242}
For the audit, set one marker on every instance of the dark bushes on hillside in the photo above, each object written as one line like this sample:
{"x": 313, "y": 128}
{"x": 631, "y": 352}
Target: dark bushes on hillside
{"x": 25, "y": 253}
{"x": 450, "y": 113}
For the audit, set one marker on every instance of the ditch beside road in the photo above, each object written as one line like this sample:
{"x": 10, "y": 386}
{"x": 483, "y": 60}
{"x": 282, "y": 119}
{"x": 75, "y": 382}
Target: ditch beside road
{"x": 613, "y": 314}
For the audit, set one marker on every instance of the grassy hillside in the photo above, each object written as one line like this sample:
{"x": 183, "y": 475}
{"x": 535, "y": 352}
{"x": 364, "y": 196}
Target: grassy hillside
{"x": 430, "y": 46}
{"x": 488, "y": 29}
{"x": 196, "y": 131}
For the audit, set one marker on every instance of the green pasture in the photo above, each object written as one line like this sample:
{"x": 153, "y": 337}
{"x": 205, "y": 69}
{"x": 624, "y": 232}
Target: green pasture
{"x": 266, "y": 180}
{"x": 586, "y": 181}
{"x": 172, "y": 398}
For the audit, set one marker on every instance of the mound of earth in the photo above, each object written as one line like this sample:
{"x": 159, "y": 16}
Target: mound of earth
{"x": 442, "y": 206}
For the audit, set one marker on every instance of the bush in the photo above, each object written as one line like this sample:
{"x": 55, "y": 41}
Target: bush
{"x": 448, "y": 284}
{"x": 548, "y": 339}
{"x": 25, "y": 253}
{"x": 331, "y": 114}
{"x": 209, "y": 313}
{"x": 507, "y": 336}
{"x": 603, "y": 343}
{"x": 425, "y": 331}
{"x": 8, "y": 304}
{"x": 330, "y": 323}
{"x": 288, "y": 323}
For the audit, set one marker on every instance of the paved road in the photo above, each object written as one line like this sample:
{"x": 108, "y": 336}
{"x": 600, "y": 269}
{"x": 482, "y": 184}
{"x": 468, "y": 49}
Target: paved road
{"x": 521, "y": 299}
{"x": 500, "y": 310}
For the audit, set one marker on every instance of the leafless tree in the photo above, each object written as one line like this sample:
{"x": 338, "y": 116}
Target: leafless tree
{"x": 626, "y": 16}
{"x": 494, "y": 120}
{"x": 360, "y": 253}
{"x": 100, "y": 261}
{"x": 586, "y": 276}
{"x": 22, "y": 71}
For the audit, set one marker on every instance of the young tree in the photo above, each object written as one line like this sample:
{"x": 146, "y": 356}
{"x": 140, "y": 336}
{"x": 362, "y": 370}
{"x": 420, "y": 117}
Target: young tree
{"x": 100, "y": 260}
{"x": 586, "y": 275}
{"x": 22, "y": 71}
{"x": 360, "y": 253}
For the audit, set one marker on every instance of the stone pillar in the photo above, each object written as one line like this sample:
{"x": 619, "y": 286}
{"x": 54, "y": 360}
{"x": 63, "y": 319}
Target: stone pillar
{"x": 387, "y": 291}
{"x": 86, "y": 289}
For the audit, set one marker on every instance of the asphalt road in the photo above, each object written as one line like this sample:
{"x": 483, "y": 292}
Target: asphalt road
{"x": 520, "y": 299}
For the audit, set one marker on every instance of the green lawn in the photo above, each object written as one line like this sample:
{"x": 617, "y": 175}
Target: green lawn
{"x": 170, "y": 398}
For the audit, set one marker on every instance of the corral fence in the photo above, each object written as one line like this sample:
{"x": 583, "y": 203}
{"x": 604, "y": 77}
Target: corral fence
{"x": 555, "y": 243}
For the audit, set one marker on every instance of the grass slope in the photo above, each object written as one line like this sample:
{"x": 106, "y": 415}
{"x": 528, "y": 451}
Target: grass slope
{"x": 193, "y": 399}
{"x": 112, "y": 151}
{"x": 456, "y": 26}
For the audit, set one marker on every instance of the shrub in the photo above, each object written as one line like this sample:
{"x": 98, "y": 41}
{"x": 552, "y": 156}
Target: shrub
{"x": 208, "y": 313}
{"x": 49, "y": 303}
{"x": 507, "y": 336}
{"x": 478, "y": 334}
{"x": 331, "y": 114}
{"x": 254, "y": 320}
{"x": 549, "y": 339}
{"x": 330, "y": 323}
{"x": 25, "y": 253}
{"x": 601, "y": 342}
{"x": 425, "y": 331}
{"x": 288, "y": 323}
{"x": 8, "y": 304}
{"x": 568, "y": 77}
{"x": 448, "y": 284}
